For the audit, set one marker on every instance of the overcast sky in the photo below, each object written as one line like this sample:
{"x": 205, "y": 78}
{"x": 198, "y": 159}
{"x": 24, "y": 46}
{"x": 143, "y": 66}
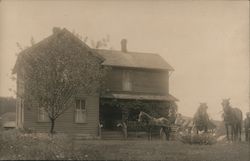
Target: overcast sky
{"x": 207, "y": 43}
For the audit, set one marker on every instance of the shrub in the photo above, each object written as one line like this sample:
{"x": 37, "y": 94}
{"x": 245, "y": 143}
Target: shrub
{"x": 35, "y": 146}
{"x": 205, "y": 138}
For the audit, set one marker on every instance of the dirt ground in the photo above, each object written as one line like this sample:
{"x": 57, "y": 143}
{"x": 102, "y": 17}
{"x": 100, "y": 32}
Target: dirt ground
{"x": 158, "y": 150}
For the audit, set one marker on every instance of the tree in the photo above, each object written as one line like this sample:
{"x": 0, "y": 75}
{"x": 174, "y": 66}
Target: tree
{"x": 104, "y": 43}
{"x": 57, "y": 70}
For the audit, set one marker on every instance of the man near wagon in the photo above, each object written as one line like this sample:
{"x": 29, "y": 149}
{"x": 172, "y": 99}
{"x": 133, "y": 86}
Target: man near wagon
{"x": 247, "y": 126}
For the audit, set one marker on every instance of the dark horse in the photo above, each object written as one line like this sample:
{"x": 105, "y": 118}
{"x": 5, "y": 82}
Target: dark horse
{"x": 233, "y": 119}
{"x": 201, "y": 119}
{"x": 150, "y": 121}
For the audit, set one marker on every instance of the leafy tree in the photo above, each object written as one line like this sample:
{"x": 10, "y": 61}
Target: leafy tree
{"x": 104, "y": 43}
{"x": 56, "y": 70}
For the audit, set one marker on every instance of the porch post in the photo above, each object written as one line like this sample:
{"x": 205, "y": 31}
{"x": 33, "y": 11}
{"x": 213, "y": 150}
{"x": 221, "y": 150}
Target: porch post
{"x": 125, "y": 112}
{"x": 100, "y": 130}
{"x": 124, "y": 128}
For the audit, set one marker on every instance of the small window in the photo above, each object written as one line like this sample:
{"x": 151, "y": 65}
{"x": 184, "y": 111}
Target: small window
{"x": 80, "y": 111}
{"x": 127, "y": 85}
{"x": 42, "y": 115}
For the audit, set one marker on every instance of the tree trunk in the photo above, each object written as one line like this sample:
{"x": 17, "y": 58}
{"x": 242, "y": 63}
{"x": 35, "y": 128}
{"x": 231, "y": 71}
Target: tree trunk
{"x": 52, "y": 126}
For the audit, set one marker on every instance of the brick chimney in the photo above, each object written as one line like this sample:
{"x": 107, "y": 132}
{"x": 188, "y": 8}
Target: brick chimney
{"x": 124, "y": 45}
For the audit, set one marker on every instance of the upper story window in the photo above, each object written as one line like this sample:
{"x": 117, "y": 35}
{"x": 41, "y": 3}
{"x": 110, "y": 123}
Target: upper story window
{"x": 42, "y": 115}
{"x": 80, "y": 111}
{"x": 126, "y": 81}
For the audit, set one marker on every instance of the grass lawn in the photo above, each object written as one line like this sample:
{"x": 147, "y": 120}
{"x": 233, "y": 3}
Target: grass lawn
{"x": 158, "y": 150}
{"x": 15, "y": 145}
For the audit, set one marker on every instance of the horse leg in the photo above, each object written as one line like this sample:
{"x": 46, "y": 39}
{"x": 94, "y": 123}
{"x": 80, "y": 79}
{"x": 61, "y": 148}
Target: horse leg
{"x": 236, "y": 133}
{"x": 227, "y": 132}
{"x": 150, "y": 134}
{"x": 240, "y": 131}
{"x": 232, "y": 133}
{"x": 166, "y": 133}
{"x": 161, "y": 131}
{"x": 206, "y": 129}
{"x": 246, "y": 133}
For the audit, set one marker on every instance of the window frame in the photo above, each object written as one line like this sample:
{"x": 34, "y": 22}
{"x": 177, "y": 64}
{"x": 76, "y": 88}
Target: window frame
{"x": 126, "y": 80}
{"x": 77, "y": 111}
{"x": 45, "y": 119}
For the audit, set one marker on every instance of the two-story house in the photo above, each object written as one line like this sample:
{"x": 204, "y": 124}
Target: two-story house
{"x": 134, "y": 76}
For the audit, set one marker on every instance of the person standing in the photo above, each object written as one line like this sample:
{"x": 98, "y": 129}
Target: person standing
{"x": 247, "y": 126}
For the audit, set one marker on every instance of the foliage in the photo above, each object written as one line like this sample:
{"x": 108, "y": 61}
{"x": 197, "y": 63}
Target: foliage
{"x": 204, "y": 138}
{"x": 57, "y": 70}
{"x": 7, "y": 104}
{"x": 103, "y": 43}
{"x": 19, "y": 146}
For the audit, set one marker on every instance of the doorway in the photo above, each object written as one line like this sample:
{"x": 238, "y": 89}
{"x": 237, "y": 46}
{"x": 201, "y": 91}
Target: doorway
{"x": 110, "y": 116}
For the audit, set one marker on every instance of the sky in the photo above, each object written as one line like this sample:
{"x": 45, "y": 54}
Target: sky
{"x": 206, "y": 42}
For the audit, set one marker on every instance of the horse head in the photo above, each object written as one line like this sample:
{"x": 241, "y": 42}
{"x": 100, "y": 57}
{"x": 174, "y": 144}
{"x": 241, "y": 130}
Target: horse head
{"x": 226, "y": 105}
{"x": 140, "y": 116}
{"x": 202, "y": 110}
{"x": 144, "y": 117}
{"x": 201, "y": 118}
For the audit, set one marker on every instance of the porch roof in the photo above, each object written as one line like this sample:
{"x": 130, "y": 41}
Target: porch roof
{"x": 167, "y": 97}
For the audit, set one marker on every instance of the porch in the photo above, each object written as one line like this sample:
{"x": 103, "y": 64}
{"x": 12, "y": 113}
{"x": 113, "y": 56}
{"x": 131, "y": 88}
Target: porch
{"x": 119, "y": 118}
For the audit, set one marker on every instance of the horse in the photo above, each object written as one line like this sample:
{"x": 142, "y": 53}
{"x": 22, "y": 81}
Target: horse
{"x": 201, "y": 119}
{"x": 232, "y": 118}
{"x": 150, "y": 121}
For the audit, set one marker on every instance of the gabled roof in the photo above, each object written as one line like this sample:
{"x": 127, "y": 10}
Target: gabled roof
{"x": 133, "y": 59}
{"x": 63, "y": 35}
{"x": 108, "y": 57}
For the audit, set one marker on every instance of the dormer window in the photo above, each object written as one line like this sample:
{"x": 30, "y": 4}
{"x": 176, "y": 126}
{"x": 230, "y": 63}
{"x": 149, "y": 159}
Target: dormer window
{"x": 126, "y": 83}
